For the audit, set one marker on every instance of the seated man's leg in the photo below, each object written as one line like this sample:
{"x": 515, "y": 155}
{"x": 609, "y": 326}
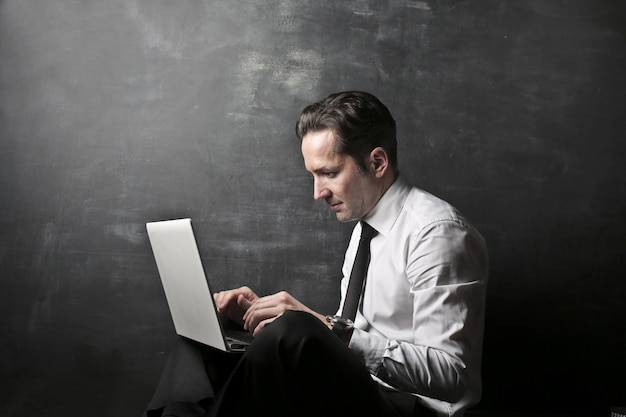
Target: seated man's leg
{"x": 297, "y": 367}
{"x": 189, "y": 377}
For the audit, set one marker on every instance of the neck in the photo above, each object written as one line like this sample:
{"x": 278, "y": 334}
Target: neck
{"x": 385, "y": 183}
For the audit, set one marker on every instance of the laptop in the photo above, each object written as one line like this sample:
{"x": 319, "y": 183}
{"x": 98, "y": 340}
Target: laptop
{"x": 187, "y": 290}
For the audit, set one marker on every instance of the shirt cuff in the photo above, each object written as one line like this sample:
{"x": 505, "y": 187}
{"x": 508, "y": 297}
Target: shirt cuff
{"x": 370, "y": 348}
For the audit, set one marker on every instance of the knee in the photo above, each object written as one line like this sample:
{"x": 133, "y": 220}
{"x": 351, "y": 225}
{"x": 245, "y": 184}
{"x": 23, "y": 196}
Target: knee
{"x": 295, "y": 326}
{"x": 291, "y": 331}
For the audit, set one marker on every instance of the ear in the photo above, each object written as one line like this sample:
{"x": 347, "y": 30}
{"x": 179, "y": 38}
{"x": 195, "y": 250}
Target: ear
{"x": 379, "y": 161}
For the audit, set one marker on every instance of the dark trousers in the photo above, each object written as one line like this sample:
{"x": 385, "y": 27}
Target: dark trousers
{"x": 295, "y": 367}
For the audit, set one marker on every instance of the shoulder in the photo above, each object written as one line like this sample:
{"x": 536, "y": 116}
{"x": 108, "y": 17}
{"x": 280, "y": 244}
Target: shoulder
{"x": 424, "y": 210}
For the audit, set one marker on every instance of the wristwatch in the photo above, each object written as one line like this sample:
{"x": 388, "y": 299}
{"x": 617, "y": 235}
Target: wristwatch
{"x": 341, "y": 326}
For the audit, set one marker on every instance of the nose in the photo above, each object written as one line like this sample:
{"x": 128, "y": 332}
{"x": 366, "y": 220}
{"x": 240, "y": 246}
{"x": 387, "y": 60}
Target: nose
{"x": 320, "y": 191}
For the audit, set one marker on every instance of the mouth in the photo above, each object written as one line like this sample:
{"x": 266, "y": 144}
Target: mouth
{"x": 335, "y": 206}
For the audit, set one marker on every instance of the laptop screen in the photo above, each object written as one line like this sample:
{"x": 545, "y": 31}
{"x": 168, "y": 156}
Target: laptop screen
{"x": 184, "y": 281}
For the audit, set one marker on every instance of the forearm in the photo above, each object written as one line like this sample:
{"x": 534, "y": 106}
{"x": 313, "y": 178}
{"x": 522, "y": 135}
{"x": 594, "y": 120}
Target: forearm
{"x": 410, "y": 368}
{"x": 321, "y": 317}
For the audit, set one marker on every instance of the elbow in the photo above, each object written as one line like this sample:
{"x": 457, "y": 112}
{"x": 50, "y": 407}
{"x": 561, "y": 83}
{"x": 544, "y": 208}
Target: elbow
{"x": 452, "y": 389}
{"x": 444, "y": 380}
{"x": 438, "y": 379}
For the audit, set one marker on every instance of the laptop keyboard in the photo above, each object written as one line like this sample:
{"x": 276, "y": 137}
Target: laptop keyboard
{"x": 239, "y": 335}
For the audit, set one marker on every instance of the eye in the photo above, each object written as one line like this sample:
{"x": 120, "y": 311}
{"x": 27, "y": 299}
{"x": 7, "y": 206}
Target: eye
{"x": 330, "y": 174}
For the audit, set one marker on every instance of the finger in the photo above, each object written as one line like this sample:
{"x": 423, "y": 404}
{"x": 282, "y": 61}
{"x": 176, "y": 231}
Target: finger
{"x": 218, "y": 297}
{"x": 258, "y": 307}
{"x": 247, "y": 292}
{"x": 262, "y": 325}
{"x": 244, "y": 302}
{"x": 223, "y": 300}
{"x": 268, "y": 306}
{"x": 253, "y": 318}
{"x": 254, "y": 307}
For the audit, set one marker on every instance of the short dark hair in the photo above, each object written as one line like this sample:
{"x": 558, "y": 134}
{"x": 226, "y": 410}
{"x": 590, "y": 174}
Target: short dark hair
{"x": 359, "y": 121}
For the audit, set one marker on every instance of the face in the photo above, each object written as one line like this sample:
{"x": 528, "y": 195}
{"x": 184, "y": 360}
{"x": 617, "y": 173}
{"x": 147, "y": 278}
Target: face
{"x": 350, "y": 193}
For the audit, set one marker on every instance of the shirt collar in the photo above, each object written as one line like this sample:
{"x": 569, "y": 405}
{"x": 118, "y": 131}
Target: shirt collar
{"x": 384, "y": 214}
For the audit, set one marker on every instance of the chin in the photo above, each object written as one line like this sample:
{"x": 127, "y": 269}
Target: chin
{"x": 344, "y": 218}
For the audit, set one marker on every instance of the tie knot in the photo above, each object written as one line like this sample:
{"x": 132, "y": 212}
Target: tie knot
{"x": 367, "y": 231}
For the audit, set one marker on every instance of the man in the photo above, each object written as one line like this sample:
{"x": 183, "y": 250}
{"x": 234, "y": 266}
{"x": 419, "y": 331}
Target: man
{"x": 411, "y": 343}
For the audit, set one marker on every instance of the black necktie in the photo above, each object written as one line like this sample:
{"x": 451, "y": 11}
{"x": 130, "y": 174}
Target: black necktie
{"x": 359, "y": 269}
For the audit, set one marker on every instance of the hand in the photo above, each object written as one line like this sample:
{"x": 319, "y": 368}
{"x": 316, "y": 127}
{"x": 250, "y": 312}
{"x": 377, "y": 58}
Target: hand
{"x": 266, "y": 309}
{"x": 234, "y": 303}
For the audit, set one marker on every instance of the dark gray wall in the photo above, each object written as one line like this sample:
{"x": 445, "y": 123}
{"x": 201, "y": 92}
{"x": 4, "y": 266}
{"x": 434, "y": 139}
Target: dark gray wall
{"x": 114, "y": 113}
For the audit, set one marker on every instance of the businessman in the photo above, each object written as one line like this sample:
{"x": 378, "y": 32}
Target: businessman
{"x": 406, "y": 339}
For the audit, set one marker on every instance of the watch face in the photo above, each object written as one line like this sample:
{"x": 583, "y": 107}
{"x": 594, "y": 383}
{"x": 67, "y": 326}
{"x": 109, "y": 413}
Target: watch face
{"x": 345, "y": 322}
{"x": 340, "y": 323}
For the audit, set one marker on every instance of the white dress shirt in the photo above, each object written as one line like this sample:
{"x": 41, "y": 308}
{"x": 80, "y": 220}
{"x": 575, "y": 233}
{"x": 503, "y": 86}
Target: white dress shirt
{"x": 419, "y": 327}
